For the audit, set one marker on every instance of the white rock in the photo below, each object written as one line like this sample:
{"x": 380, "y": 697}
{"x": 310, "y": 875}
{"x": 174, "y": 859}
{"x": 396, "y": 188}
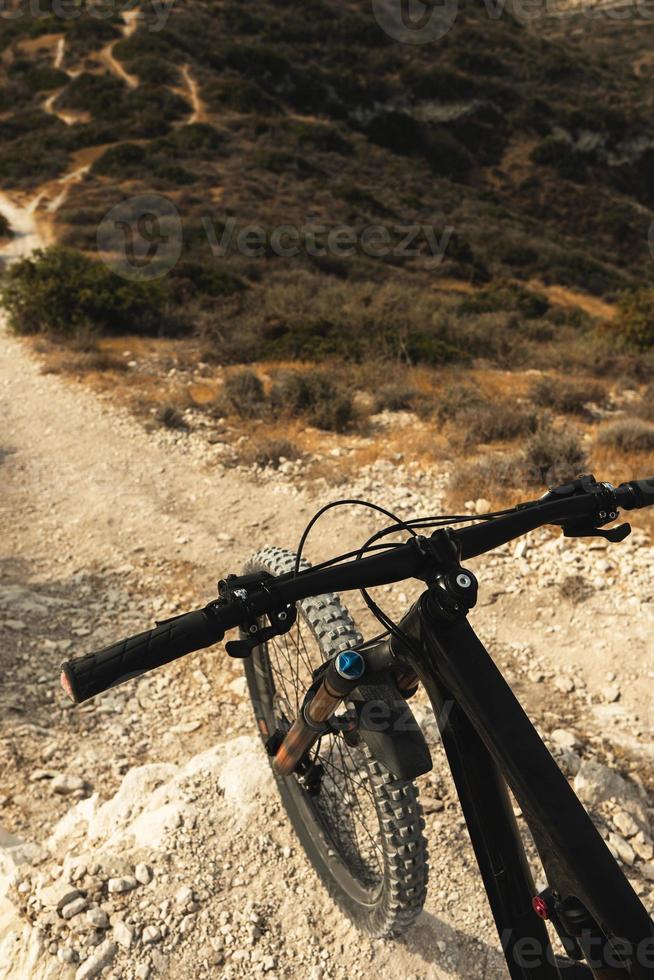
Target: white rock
{"x": 58, "y": 894}
{"x": 64, "y": 784}
{"x": 74, "y": 908}
{"x": 482, "y": 506}
{"x": 143, "y": 873}
{"x": 103, "y": 956}
{"x": 116, "y": 886}
{"x": 123, "y": 934}
{"x": 648, "y": 870}
{"x": 97, "y": 918}
{"x": 622, "y": 848}
{"x": 595, "y": 784}
{"x": 151, "y": 934}
{"x": 184, "y": 895}
{"x": 625, "y": 824}
{"x": 565, "y": 739}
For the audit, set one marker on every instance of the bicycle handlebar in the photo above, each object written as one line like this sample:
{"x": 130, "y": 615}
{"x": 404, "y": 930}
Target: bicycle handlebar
{"x": 96, "y": 672}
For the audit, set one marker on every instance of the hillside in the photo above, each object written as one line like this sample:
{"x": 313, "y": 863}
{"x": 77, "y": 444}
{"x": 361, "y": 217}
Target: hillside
{"x": 535, "y": 154}
{"x": 287, "y": 190}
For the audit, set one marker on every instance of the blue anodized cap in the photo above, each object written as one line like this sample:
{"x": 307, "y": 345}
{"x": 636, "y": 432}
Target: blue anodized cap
{"x": 350, "y": 665}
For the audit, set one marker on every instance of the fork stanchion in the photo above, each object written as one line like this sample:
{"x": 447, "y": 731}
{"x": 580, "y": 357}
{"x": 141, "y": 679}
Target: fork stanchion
{"x": 341, "y": 678}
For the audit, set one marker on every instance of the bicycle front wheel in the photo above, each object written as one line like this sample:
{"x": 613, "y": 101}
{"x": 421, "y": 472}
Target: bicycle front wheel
{"x": 361, "y": 827}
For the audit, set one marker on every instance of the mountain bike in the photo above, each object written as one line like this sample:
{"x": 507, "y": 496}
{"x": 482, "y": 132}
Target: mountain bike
{"x": 335, "y": 717}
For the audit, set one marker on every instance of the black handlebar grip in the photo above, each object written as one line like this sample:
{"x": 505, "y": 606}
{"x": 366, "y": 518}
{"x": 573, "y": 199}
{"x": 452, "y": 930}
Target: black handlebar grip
{"x": 637, "y": 494}
{"x": 87, "y": 676}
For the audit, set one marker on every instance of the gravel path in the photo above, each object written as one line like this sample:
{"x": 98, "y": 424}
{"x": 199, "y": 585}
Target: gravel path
{"x": 156, "y": 844}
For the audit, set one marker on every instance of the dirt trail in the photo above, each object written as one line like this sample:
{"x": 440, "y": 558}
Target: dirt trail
{"x": 130, "y": 18}
{"x": 193, "y": 95}
{"x": 110, "y": 489}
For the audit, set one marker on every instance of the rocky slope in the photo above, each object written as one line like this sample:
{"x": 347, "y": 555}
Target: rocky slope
{"x": 142, "y": 834}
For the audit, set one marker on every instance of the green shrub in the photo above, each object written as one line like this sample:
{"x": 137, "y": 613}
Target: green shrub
{"x": 646, "y": 405}
{"x": 243, "y": 394}
{"x": 170, "y": 417}
{"x": 240, "y": 95}
{"x": 42, "y": 78}
{"x": 502, "y": 298}
{"x": 396, "y": 396}
{"x": 61, "y": 291}
{"x": 197, "y": 140}
{"x": 320, "y": 137}
{"x": 124, "y": 160}
{"x": 314, "y": 394}
{"x": 635, "y": 320}
{"x": 566, "y": 395}
{"x": 627, "y": 436}
{"x": 100, "y": 95}
{"x": 481, "y": 419}
{"x": 189, "y": 280}
{"x": 553, "y": 456}
{"x": 270, "y": 452}
{"x": 562, "y": 156}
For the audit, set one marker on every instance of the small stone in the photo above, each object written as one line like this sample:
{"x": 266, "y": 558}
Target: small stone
{"x": 187, "y": 924}
{"x": 622, "y": 848}
{"x": 74, "y": 908}
{"x": 151, "y": 934}
{"x": 564, "y": 739}
{"x": 268, "y": 963}
{"x": 611, "y": 693}
{"x": 116, "y": 886}
{"x": 64, "y": 785}
{"x": 184, "y": 895}
{"x": 431, "y": 805}
{"x": 142, "y": 971}
{"x": 123, "y": 935}
{"x": 648, "y": 870}
{"x": 97, "y": 918}
{"x": 95, "y": 964}
{"x": 143, "y": 874}
{"x": 482, "y": 506}
{"x": 57, "y": 895}
{"x": 625, "y": 824}
{"x": 15, "y": 624}
{"x": 39, "y": 775}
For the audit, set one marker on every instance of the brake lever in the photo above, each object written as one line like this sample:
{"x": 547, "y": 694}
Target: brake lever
{"x": 612, "y": 534}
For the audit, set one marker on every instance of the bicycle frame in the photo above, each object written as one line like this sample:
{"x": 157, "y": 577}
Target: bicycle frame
{"x": 491, "y": 744}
